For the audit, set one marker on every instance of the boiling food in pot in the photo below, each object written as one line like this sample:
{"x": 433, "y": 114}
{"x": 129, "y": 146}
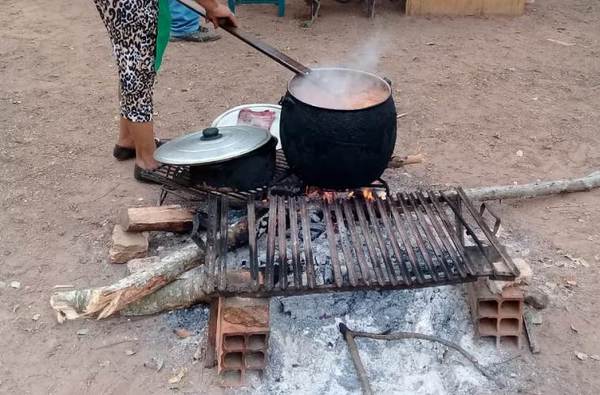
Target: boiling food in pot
{"x": 340, "y": 89}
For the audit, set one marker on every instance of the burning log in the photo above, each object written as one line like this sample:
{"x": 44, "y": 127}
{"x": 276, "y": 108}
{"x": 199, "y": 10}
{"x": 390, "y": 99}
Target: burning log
{"x": 105, "y": 301}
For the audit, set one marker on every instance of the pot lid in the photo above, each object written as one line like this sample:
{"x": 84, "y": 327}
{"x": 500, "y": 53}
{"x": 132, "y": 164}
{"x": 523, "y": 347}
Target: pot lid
{"x": 212, "y": 145}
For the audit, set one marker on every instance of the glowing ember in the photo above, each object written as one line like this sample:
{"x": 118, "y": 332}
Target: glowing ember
{"x": 368, "y": 194}
{"x": 329, "y": 196}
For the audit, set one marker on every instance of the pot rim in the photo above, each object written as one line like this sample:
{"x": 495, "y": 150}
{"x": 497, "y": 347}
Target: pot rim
{"x": 375, "y": 76}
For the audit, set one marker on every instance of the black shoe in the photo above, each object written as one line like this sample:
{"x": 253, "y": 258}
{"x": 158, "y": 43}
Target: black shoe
{"x": 124, "y": 153}
{"x": 145, "y": 176}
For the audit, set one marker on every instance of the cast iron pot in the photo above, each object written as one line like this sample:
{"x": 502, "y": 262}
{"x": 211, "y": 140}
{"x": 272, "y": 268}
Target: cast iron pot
{"x": 252, "y": 170}
{"x": 334, "y": 148}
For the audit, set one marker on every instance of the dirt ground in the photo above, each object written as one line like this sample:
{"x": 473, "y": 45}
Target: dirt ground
{"x": 476, "y": 91}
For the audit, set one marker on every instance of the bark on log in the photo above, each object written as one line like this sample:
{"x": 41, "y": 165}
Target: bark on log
{"x": 185, "y": 291}
{"x": 171, "y": 218}
{"x": 537, "y": 189}
{"x": 105, "y": 301}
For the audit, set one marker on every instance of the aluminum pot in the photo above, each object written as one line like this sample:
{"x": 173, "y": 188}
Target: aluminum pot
{"x": 238, "y": 157}
{"x": 252, "y": 170}
{"x": 335, "y": 147}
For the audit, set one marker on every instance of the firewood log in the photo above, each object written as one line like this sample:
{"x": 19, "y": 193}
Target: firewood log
{"x": 105, "y": 301}
{"x": 537, "y": 189}
{"x": 172, "y": 218}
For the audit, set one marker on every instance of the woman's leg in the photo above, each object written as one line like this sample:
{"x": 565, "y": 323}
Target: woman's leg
{"x": 125, "y": 137}
{"x": 143, "y": 135}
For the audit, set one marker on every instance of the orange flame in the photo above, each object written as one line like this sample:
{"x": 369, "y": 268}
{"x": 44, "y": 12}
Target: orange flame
{"x": 368, "y": 194}
{"x": 329, "y": 197}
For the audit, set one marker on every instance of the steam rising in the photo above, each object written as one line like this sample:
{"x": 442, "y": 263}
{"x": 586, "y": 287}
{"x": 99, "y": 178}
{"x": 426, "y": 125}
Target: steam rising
{"x": 333, "y": 88}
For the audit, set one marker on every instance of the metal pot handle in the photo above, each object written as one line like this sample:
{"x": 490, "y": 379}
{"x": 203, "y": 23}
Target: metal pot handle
{"x": 386, "y": 79}
{"x": 287, "y": 100}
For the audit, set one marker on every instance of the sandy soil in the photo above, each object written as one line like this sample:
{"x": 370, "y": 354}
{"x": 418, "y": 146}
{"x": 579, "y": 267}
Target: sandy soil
{"x": 476, "y": 91}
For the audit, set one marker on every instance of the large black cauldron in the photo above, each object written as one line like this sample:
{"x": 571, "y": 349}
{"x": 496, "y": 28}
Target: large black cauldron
{"x": 338, "y": 148}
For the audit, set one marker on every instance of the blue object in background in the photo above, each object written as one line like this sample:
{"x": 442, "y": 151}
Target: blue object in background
{"x": 183, "y": 20}
{"x": 279, "y": 3}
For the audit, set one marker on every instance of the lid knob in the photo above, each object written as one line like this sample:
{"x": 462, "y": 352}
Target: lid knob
{"x": 210, "y": 134}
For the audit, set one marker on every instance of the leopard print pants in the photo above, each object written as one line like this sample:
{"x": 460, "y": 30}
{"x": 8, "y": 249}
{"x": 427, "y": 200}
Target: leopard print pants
{"x": 131, "y": 25}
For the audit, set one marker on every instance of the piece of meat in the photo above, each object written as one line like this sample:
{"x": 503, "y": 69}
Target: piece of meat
{"x": 260, "y": 119}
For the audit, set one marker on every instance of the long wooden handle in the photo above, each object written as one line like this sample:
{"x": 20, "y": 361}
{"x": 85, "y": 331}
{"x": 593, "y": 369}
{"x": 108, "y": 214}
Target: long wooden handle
{"x": 254, "y": 42}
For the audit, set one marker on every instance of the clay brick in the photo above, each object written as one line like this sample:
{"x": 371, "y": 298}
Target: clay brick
{"x": 242, "y": 335}
{"x": 255, "y": 360}
{"x": 257, "y": 342}
{"x": 232, "y": 360}
{"x": 231, "y": 378}
{"x": 233, "y": 343}
{"x": 499, "y": 316}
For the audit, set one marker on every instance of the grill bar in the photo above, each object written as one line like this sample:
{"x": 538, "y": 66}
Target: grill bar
{"x": 211, "y": 238}
{"x": 406, "y": 241}
{"x": 337, "y": 271}
{"x": 358, "y": 247}
{"x": 270, "y": 264}
{"x": 488, "y": 233}
{"x": 403, "y": 233}
{"x": 430, "y": 235}
{"x": 253, "y": 252}
{"x": 346, "y": 249}
{"x": 295, "y": 243}
{"x": 222, "y": 243}
{"x": 281, "y": 214}
{"x": 308, "y": 255}
{"x": 375, "y": 261}
{"x": 439, "y": 227}
{"x": 421, "y": 248}
{"x": 391, "y": 235}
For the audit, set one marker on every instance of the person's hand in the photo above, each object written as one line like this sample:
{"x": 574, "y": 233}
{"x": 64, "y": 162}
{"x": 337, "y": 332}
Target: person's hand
{"x": 220, "y": 14}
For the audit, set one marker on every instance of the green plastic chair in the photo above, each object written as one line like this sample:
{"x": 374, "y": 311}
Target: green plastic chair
{"x": 280, "y": 4}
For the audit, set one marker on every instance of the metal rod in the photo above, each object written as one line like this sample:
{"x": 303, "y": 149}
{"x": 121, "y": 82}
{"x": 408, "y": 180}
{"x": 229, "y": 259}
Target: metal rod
{"x": 254, "y": 42}
{"x": 283, "y": 268}
{"x": 458, "y": 243}
{"x": 469, "y": 230}
{"x": 224, "y": 206}
{"x": 418, "y": 238}
{"x": 211, "y": 236}
{"x": 308, "y": 256}
{"x": 252, "y": 242}
{"x": 430, "y": 233}
{"x": 486, "y": 231}
{"x": 348, "y": 260}
{"x": 381, "y": 241}
{"x": 403, "y": 232}
{"x": 337, "y": 272}
{"x": 375, "y": 263}
{"x": 385, "y": 216}
{"x": 295, "y": 243}
{"x": 358, "y": 247}
{"x": 438, "y": 223}
{"x": 271, "y": 230}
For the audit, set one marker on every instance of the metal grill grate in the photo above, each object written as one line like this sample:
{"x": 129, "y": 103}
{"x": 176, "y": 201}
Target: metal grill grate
{"x": 417, "y": 239}
{"x": 176, "y": 180}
